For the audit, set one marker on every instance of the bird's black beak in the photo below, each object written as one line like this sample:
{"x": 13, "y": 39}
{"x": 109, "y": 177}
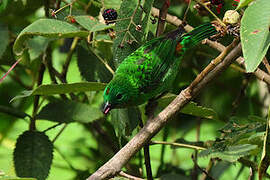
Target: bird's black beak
{"x": 106, "y": 108}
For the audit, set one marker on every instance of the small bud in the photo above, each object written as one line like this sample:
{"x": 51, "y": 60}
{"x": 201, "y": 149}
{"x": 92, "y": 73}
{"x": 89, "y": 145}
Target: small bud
{"x": 112, "y": 34}
{"x": 138, "y": 28}
{"x": 53, "y": 14}
{"x": 231, "y": 17}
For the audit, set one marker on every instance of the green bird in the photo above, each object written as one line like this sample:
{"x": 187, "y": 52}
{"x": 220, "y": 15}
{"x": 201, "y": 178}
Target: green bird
{"x": 150, "y": 70}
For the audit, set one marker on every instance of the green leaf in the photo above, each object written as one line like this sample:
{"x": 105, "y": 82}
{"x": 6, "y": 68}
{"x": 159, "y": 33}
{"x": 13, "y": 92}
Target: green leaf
{"x": 265, "y": 160}
{"x": 254, "y": 32}
{"x": 51, "y": 89}
{"x": 129, "y": 14}
{"x": 47, "y": 28}
{"x": 4, "y": 39}
{"x": 33, "y": 155}
{"x": 173, "y": 176}
{"x": 243, "y": 3}
{"x": 87, "y": 62}
{"x": 125, "y": 120}
{"x": 37, "y": 46}
{"x": 90, "y": 66}
{"x": 115, "y": 4}
{"x": 91, "y": 24}
{"x": 3, "y": 5}
{"x": 13, "y": 111}
{"x": 229, "y": 153}
{"x": 69, "y": 111}
{"x": 191, "y": 109}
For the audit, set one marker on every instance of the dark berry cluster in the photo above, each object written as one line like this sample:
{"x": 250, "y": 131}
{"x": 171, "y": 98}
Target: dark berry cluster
{"x": 109, "y": 15}
{"x": 218, "y": 3}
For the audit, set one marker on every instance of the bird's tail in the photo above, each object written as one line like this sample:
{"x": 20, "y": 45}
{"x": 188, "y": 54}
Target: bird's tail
{"x": 198, "y": 34}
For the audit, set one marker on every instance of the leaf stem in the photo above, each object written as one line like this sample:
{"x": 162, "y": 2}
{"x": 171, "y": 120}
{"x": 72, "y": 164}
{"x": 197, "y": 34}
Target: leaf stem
{"x": 59, "y": 133}
{"x": 69, "y": 57}
{"x": 52, "y": 127}
{"x": 128, "y": 176}
{"x": 32, "y": 125}
{"x": 102, "y": 60}
{"x": 178, "y": 145}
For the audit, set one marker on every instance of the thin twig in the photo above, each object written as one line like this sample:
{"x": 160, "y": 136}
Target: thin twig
{"x": 123, "y": 174}
{"x": 208, "y": 169}
{"x": 47, "y": 60}
{"x": 178, "y": 145}
{"x": 201, "y": 169}
{"x": 10, "y": 69}
{"x": 146, "y": 153}
{"x": 195, "y": 169}
{"x": 16, "y": 78}
{"x": 147, "y": 162}
{"x": 266, "y": 64}
{"x": 69, "y": 57}
{"x": 248, "y": 163}
{"x": 239, "y": 96}
{"x": 102, "y": 60}
{"x": 185, "y": 15}
{"x": 162, "y": 17}
{"x": 64, "y": 158}
{"x": 59, "y": 133}
{"x": 32, "y": 125}
{"x": 52, "y": 127}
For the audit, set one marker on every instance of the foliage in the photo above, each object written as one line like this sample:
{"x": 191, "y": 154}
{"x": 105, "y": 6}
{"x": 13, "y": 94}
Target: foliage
{"x": 50, "y": 115}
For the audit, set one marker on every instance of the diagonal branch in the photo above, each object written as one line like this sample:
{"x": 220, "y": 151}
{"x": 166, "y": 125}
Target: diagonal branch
{"x": 153, "y": 125}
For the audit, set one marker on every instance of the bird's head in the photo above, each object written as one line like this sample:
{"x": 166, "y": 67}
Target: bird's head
{"x": 119, "y": 93}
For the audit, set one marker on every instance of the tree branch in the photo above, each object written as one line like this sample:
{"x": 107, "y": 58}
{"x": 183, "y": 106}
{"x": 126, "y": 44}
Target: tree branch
{"x": 153, "y": 125}
{"x": 162, "y": 17}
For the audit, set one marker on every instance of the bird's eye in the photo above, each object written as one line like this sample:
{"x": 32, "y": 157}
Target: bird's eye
{"x": 119, "y": 96}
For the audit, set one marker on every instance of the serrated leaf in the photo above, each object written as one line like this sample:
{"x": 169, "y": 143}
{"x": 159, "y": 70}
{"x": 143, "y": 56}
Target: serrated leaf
{"x": 265, "y": 160}
{"x": 47, "y": 28}
{"x": 69, "y": 111}
{"x": 243, "y": 3}
{"x": 127, "y": 30}
{"x": 33, "y": 155}
{"x": 91, "y": 24}
{"x": 51, "y": 89}
{"x": 4, "y": 39}
{"x": 238, "y": 127}
{"x": 229, "y": 153}
{"x": 254, "y": 32}
{"x": 191, "y": 109}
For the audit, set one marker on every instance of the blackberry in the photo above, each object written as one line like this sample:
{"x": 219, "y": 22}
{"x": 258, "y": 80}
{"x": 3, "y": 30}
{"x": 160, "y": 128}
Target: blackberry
{"x": 109, "y": 15}
{"x": 217, "y": 2}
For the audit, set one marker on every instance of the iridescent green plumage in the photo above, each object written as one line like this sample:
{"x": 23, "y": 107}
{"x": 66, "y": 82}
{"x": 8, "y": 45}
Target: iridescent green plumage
{"x": 152, "y": 68}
